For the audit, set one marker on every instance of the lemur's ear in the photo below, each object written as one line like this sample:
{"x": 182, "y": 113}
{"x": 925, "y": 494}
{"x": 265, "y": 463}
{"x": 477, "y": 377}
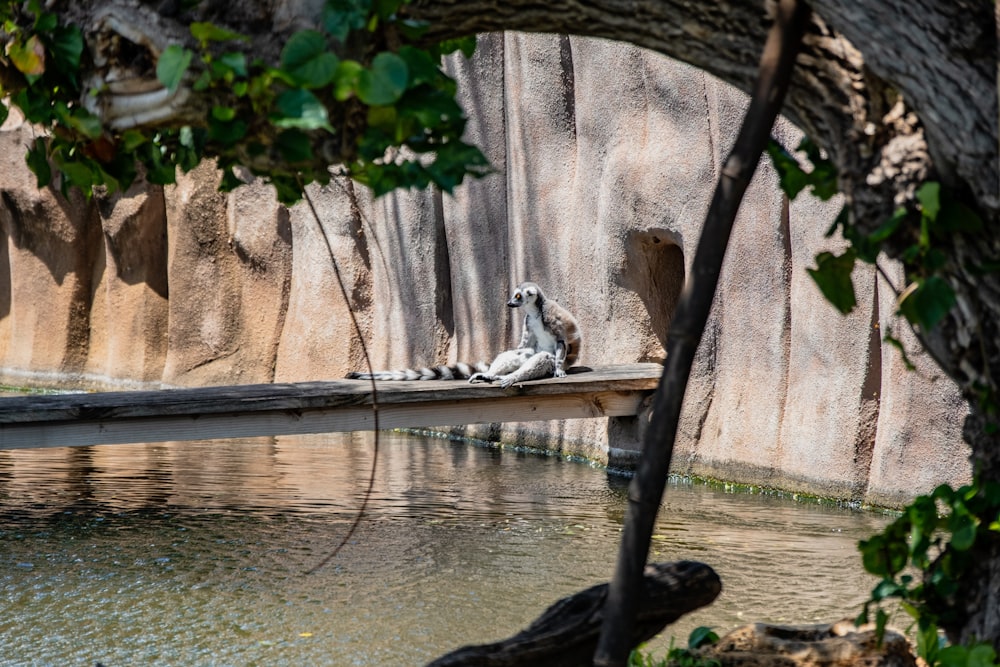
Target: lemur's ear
{"x": 531, "y": 291}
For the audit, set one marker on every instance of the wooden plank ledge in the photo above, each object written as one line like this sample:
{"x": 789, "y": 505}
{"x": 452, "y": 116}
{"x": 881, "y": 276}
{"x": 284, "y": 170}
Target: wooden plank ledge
{"x": 204, "y": 413}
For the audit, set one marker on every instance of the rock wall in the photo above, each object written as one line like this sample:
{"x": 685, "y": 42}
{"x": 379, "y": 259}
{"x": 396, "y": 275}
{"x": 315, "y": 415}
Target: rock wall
{"x": 605, "y": 160}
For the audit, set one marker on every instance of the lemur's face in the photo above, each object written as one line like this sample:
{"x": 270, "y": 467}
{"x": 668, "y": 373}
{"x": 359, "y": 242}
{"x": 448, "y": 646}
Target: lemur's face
{"x": 525, "y": 293}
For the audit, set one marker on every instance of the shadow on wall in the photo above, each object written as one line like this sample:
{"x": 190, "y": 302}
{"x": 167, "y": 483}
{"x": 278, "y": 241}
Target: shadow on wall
{"x": 654, "y": 271}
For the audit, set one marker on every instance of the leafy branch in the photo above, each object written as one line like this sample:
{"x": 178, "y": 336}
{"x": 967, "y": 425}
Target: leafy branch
{"x": 387, "y": 116}
{"x": 935, "y": 214}
{"x": 923, "y": 555}
{"x": 933, "y": 538}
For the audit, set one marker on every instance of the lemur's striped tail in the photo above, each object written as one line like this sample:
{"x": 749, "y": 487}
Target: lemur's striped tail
{"x": 459, "y": 371}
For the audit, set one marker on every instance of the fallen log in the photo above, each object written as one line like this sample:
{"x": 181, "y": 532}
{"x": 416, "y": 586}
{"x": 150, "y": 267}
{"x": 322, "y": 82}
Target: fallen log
{"x": 566, "y": 634}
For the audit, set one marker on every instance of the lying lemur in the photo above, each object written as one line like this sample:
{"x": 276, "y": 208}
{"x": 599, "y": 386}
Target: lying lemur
{"x": 550, "y": 343}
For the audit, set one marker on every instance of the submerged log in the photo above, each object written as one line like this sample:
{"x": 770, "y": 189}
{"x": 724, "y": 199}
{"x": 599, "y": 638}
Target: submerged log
{"x": 566, "y": 634}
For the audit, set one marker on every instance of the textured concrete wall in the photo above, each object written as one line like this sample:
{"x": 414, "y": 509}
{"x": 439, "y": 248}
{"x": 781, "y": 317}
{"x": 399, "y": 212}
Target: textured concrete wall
{"x": 605, "y": 159}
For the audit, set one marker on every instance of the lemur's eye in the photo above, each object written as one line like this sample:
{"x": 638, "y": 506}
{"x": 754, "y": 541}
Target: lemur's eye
{"x": 517, "y": 295}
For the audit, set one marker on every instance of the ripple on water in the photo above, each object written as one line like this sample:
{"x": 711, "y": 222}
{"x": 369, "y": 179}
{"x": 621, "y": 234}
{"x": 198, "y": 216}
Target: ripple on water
{"x": 195, "y": 553}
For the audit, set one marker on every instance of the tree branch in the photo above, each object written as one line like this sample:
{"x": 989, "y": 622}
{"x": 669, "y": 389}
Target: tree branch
{"x": 646, "y": 490}
{"x": 566, "y": 633}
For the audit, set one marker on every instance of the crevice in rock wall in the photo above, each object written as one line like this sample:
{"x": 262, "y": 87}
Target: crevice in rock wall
{"x": 712, "y": 121}
{"x": 5, "y": 277}
{"x": 517, "y": 185}
{"x": 785, "y": 232}
{"x": 357, "y": 229}
{"x": 568, "y": 81}
{"x": 707, "y": 358}
{"x": 81, "y": 297}
{"x": 864, "y": 444}
{"x": 444, "y": 299}
{"x": 283, "y": 222}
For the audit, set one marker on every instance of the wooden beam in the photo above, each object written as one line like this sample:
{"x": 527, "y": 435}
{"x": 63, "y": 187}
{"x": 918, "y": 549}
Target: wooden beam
{"x": 205, "y": 413}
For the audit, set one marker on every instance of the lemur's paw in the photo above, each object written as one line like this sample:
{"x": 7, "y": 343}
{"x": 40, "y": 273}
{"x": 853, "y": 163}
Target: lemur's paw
{"x": 507, "y": 381}
{"x": 560, "y": 374}
{"x": 480, "y": 377}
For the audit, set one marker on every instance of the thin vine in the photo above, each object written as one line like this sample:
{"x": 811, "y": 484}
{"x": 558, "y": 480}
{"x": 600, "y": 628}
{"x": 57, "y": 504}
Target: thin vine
{"x": 368, "y": 363}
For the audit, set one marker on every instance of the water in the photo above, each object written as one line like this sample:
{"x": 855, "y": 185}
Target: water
{"x": 195, "y": 553}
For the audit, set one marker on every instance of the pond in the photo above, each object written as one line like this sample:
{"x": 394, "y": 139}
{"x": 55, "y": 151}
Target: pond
{"x": 196, "y": 553}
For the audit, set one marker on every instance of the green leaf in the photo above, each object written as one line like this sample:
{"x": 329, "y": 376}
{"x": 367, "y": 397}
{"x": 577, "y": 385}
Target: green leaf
{"x": 287, "y": 189}
{"x": 928, "y": 303}
{"x": 982, "y": 655}
{"x": 340, "y": 17}
{"x": 467, "y": 45}
{"x": 226, "y": 133}
{"x": 66, "y": 46}
{"x": 387, "y": 8}
{"x": 301, "y": 109}
{"x": 434, "y": 109}
{"x": 346, "y": 79}
{"x": 929, "y": 196}
{"x": 385, "y": 82}
{"x": 120, "y": 172}
{"x": 701, "y": 636}
{"x": 204, "y": 80}
{"x": 833, "y": 277}
{"x": 78, "y": 174}
{"x": 172, "y": 65}
{"x": 230, "y": 65}
{"x": 955, "y": 216}
{"x": 306, "y": 59}
{"x": 132, "y": 139}
{"x": 881, "y": 619}
{"x": 28, "y": 57}
{"x": 791, "y": 176}
{"x": 230, "y": 181}
{"x": 4, "y": 112}
{"x": 158, "y": 170}
{"x": 453, "y": 161}
{"x": 963, "y": 530}
{"x": 209, "y": 32}
{"x": 36, "y": 108}
{"x": 85, "y": 123}
{"x": 294, "y": 146}
{"x": 412, "y": 29}
{"x": 889, "y": 227}
{"x": 383, "y": 118}
{"x": 38, "y": 163}
{"x": 224, "y": 114}
{"x": 823, "y": 176}
{"x": 46, "y": 22}
{"x": 423, "y": 68}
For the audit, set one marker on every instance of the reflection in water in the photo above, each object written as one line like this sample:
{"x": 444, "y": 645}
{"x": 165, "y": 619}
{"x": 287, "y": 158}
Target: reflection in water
{"x": 194, "y": 553}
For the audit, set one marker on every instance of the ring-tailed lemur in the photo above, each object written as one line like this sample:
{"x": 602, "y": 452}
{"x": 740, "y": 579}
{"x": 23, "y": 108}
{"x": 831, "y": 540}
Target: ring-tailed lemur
{"x": 550, "y": 343}
{"x": 550, "y": 331}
